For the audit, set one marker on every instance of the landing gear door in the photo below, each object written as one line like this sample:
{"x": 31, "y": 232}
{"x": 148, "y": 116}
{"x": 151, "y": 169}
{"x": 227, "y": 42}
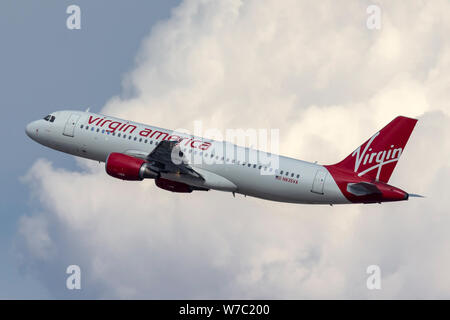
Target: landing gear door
{"x": 69, "y": 129}
{"x": 319, "y": 181}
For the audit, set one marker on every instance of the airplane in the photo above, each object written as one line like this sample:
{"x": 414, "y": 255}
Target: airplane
{"x": 184, "y": 163}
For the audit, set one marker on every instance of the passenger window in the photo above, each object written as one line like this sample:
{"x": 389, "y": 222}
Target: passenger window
{"x": 118, "y": 135}
{"x": 103, "y": 131}
{"x": 92, "y": 129}
{"x": 81, "y": 126}
{"x": 298, "y": 176}
{"x": 140, "y": 139}
{"x": 281, "y": 172}
{"x": 129, "y": 137}
{"x": 145, "y": 141}
{"x": 287, "y": 173}
{"x": 98, "y": 130}
{"x": 259, "y": 167}
{"x": 135, "y": 138}
{"x": 249, "y": 165}
{"x": 87, "y": 127}
{"x": 254, "y": 166}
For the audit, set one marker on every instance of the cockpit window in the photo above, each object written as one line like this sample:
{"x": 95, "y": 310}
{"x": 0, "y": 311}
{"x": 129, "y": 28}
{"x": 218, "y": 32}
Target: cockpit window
{"x": 50, "y": 118}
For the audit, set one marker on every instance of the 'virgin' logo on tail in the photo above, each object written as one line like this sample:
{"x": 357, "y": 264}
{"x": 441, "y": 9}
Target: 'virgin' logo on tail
{"x": 367, "y": 157}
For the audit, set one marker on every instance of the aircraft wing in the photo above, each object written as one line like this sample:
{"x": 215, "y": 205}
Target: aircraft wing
{"x": 169, "y": 162}
{"x": 167, "y": 158}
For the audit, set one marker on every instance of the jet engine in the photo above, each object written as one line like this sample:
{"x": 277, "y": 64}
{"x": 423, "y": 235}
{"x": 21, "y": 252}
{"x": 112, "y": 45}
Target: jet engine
{"x": 122, "y": 166}
{"x": 173, "y": 186}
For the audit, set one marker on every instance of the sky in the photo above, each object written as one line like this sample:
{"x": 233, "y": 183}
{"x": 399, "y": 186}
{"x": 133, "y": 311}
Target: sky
{"x": 313, "y": 70}
{"x": 46, "y": 67}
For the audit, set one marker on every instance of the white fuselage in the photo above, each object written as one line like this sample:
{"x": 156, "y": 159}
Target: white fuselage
{"x": 233, "y": 168}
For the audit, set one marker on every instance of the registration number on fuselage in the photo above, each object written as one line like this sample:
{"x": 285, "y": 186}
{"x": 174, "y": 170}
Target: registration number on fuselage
{"x": 284, "y": 179}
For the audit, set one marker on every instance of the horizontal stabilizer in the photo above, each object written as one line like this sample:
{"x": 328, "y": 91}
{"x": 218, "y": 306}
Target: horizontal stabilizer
{"x": 362, "y": 189}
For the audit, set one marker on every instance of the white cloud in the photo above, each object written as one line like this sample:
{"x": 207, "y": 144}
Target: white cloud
{"x": 316, "y": 72}
{"x": 35, "y": 232}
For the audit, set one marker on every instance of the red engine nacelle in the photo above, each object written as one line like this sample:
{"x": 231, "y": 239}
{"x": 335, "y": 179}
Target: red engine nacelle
{"x": 122, "y": 166}
{"x": 173, "y": 185}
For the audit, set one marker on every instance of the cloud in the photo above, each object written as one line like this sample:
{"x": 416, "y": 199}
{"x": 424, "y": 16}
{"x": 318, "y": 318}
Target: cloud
{"x": 314, "y": 71}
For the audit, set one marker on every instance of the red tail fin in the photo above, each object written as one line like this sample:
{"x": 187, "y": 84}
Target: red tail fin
{"x": 377, "y": 157}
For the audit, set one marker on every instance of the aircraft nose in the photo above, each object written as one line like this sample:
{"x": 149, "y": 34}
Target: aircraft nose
{"x": 28, "y": 130}
{"x": 31, "y": 130}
